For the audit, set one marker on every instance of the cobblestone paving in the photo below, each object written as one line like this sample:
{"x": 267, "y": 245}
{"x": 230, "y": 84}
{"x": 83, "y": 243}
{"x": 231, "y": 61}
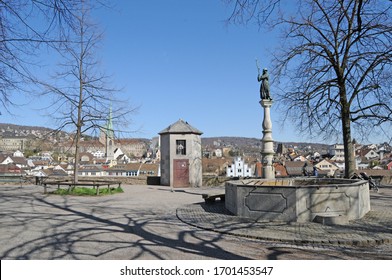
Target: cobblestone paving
{"x": 374, "y": 228}
{"x": 368, "y": 238}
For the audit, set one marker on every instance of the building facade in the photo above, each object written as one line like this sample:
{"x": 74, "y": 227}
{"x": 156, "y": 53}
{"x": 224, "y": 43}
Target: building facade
{"x": 181, "y": 155}
{"x": 12, "y": 143}
{"x": 238, "y": 169}
{"x": 327, "y": 166}
{"x": 337, "y": 152}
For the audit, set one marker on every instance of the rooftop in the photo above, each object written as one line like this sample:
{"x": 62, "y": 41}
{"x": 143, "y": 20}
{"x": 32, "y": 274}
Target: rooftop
{"x": 180, "y": 127}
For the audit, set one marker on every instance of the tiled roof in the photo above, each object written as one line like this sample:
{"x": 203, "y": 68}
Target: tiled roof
{"x": 180, "y": 127}
{"x": 294, "y": 168}
{"x": 280, "y": 169}
{"x": 135, "y": 167}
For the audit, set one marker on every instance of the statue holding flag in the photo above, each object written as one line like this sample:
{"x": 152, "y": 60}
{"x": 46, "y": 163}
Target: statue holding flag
{"x": 264, "y": 86}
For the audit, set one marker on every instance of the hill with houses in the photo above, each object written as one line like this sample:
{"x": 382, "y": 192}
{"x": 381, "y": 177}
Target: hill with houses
{"x": 32, "y": 150}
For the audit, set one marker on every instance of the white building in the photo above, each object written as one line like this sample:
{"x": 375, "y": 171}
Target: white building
{"x": 327, "y": 165}
{"x": 120, "y": 156}
{"x": 218, "y": 153}
{"x": 238, "y": 169}
{"x": 18, "y": 153}
{"x": 98, "y": 154}
{"x": 337, "y": 152}
{"x": 371, "y": 154}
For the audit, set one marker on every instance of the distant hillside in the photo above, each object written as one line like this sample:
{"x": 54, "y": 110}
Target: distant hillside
{"x": 14, "y": 130}
{"x": 237, "y": 142}
{"x": 244, "y": 142}
{"x": 240, "y": 143}
{"x": 10, "y": 127}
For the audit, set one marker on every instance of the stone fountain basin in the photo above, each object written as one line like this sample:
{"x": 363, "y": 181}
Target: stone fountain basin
{"x": 297, "y": 199}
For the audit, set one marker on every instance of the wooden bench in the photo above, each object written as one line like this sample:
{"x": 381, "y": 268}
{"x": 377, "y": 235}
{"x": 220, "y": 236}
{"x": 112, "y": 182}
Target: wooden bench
{"x": 210, "y": 198}
{"x": 70, "y": 184}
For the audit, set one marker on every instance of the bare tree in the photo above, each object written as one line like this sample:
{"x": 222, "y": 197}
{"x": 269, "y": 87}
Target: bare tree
{"x": 245, "y": 11}
{"x": 25, "y": 26}
{"x": 82, "y": 94}
{"x": 336, "y": 62}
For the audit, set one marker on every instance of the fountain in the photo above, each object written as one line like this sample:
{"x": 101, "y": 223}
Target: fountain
{"x": 298, "y": 200}
{"x": 324, "y": 200}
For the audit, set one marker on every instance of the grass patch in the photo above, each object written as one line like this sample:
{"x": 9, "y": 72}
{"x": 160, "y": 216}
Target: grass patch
{"x": 88, "y": 191}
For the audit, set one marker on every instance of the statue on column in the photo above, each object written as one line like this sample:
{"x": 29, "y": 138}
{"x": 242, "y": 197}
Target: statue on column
{"x": 267, "y": 150}
{"x": 264, "y": 86}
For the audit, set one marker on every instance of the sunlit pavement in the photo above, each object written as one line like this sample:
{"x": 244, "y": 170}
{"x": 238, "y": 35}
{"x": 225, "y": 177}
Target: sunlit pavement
{"x": 153, "y": 222}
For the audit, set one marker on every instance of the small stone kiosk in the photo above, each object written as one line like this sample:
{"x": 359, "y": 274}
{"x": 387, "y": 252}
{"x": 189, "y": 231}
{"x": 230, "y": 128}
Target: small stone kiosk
{"x": 181, "y": 155}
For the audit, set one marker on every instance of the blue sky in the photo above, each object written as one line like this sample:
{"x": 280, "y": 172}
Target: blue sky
{"x": 178, "y": 59}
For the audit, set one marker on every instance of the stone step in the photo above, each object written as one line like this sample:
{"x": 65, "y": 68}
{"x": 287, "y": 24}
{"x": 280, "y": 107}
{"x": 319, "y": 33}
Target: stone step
{"x": 331, "y": 219}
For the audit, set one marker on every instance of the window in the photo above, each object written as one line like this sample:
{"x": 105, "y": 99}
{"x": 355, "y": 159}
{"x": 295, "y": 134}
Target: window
{"x": 181, "y": 147}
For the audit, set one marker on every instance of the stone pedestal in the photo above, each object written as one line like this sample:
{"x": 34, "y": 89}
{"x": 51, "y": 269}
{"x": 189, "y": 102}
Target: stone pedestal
{"x": 267, "y": 150}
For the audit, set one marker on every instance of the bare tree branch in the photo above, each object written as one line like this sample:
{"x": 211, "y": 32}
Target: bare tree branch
{"x": 337, "y": 59}
{"x": 25, "y": 26}
{"x": 84, "y": 93}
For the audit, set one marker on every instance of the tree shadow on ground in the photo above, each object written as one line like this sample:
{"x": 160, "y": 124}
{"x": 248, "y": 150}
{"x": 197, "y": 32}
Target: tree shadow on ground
{"x": 61, "y": 231}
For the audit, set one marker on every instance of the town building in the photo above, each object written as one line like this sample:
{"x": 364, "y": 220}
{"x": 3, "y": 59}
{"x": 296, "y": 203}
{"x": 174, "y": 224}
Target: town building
{"x": 134, "y": 148}
{"x": 368, "y": 154}
{"x": 12, "y": 143}
{"x": 296, "y": 168}
{"x": 239, "y": 169}
{"x": 181, "y": 155}
{"x": 328, "y": 166}
{"x": 336, "y": 152}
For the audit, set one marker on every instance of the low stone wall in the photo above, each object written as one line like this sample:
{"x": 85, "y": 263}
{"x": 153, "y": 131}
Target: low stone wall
{"x": 386, "y": 180}
{"x": 215, "y": 181}
{"x": 142, "y": 180}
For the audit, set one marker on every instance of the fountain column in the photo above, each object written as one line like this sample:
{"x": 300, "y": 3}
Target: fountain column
{"x": 267, "y": 150}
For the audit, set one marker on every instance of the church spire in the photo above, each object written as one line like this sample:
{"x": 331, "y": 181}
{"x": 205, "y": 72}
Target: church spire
{"x": 109, "y": 138}
{"x": 109, "y": 125}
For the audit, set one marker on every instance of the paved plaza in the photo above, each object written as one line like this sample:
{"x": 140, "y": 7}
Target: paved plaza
{"x": 152, "y": 222}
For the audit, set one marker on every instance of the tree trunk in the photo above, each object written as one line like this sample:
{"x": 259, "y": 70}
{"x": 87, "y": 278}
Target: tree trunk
{"x": 349, "y": 153}
{"x": 77, "y": 155}
{"x": 79, "y": 121}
